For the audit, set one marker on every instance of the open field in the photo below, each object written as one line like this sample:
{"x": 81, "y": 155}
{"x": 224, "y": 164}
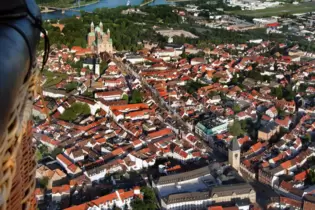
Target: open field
{"x": 276, "y": 11}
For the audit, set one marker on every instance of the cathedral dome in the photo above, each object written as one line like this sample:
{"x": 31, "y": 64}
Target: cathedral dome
{"x": 98, "y": 29}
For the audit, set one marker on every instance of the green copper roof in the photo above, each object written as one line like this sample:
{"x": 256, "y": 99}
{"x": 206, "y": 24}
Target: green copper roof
{"x": 97, "y": 29}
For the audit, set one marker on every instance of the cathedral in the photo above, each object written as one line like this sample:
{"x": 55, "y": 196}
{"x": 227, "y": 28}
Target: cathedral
{"x": 98, "y": 41}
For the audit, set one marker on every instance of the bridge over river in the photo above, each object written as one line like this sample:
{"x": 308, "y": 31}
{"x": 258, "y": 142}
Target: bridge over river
{"x": 47, "y": 9}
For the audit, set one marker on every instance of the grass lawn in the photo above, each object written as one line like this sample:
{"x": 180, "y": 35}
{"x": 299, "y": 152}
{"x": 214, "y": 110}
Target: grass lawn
{"x": 276, "y": 11}
{"x": 53, "y": 78}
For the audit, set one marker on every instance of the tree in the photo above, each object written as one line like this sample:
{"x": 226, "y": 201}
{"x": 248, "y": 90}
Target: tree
{"x": 39, "y": 156}
{"x": 215, "y": 79}
{"x": 236, "y": 129}
{"x": 43, "y": 182}
{"x": 103, "y": 67}
{"x": 308, "y": 138}
{"x": 125, "y": 97}
{"x": 236, "y": 108}
{"x": 289, "y": 93}
{"x": 88, "y": 94}
{"x": 148, "y": 202}
{"x": 71, "y": 86}
{"x": 278, "y": 92}
{"x": 281, "y": 112}
{"x": 74, "y": 111}
{"x": 149, "y": 197}
{"x": 138, "y": 204}
{"x": 136, "y": 97}
{"x": 193, "y": 86}
{"x": 234, "y": 80}
{"x": 43, "y": 149}
{"x": 243, "y": 124}
{"x": 255, "y": 75}
{"x": 56, "y": 152}
{"x": 310, "y": 179}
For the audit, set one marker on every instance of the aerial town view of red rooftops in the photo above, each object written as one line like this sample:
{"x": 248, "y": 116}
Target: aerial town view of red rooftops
{"x": 176, "y": 104}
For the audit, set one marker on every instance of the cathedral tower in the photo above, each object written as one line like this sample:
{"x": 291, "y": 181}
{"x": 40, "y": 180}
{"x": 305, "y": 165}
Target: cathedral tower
{"x": 108, "y": 33}
{"x": 234, "y": 154}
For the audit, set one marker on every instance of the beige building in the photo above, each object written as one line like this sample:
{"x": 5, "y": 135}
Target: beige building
{"x": 268, "y": 131}
{"x": 217, "y": 195}
{"x": 222, "y": 194}
{"x": 52, "y": 175}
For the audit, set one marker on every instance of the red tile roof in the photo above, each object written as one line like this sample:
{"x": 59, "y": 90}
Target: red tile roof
{"x": 286, "y": 186}
{"x": 118, "y": 151}
{"x": 129, "y": 107}
{"x": 104, "y": 199}
{"x": 136, "y": 142}
{"x": 174, "y": 168}
{"x": 256, "y": 147}
{"x": 49, "y": 140}
{"x": 109, "y": 93}
{"x": 287, "y": 164}
{"x": 139, "y": 113}
{"x": 215, "y": 208}
{"x": 72, "y": 167}
{"x": 160, "y": 133}
{"x": 84, "y": 206}
{"x": 301, "y": 176}
{"x": 61, "y": 189}
{"x": 241, "y": 141}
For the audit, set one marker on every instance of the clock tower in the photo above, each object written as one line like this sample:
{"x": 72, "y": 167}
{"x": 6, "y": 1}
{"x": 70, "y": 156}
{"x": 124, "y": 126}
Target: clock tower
{"x": 234, "y": 154}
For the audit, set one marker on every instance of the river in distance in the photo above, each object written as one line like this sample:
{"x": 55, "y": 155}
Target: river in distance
{"x": 100, "y": 4}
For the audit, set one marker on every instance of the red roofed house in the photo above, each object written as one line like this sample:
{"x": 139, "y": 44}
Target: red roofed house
{"x": 137, "y": 144}
{"x": 139, "y": 115}
{"x": 119, "y": 198}
{"x": 272, "y": 25}
{"x": 79, "y": 51}
{"x": 127, "y": 108}
{"x": 272, "y": 112}
{"x": 158, "y": 134}
{"x": 285, "y": 123}
{"x": 39, "y": 195}
{"x": 49, "y": 142}
{"x": 301, "y": 176}
{"x": 196, "y": 61}
{"x": 257, "y": 147}
{"x": 109, "y": 95}
{"x": 70, "y": 167}
{"x": 60, "y": 192}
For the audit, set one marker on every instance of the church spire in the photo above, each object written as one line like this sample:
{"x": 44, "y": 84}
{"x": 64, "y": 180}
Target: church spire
{"x": 101, "y": 26}
{"x": 108, "y": 33}
{"x": 92, "y": 27}
{"x": 234, "y": 146}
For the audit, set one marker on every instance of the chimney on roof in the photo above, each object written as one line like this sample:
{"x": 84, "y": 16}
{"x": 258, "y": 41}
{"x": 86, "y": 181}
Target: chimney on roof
{"x": 136, "y": 190}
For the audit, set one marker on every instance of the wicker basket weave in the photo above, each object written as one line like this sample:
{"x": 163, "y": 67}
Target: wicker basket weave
{"x": 17, "y": 130}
